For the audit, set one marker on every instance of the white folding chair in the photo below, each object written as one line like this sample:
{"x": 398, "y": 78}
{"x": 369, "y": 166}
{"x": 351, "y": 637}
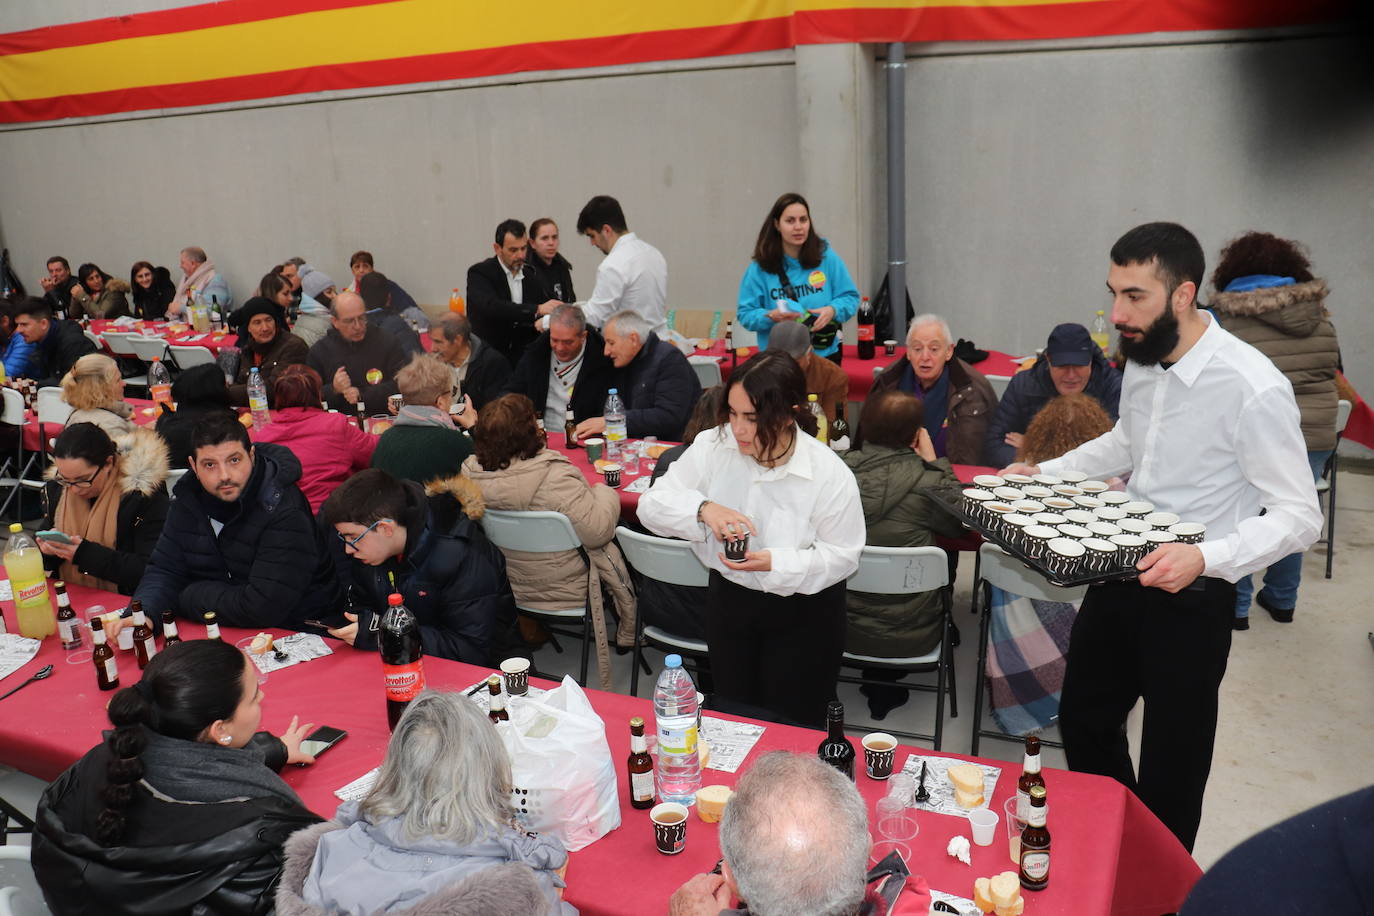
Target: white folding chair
{"x": 543, "y": 532}
{"x": 1327, "y": 484}
{"x": 148, "y": 348}
{"x": 998, "y": 568}
{"x": 707, "y": 369}
{"x": 93, "y": 338}
{"x": 15, "y": 470}
{"x": 20, "y": 894}
{"x": 664, "y": 560}
{"x": 187, "y": 356}
{"x": 52, "y": 413}
{"x": 118, "y": 343}
{"x": 908, "y": 571}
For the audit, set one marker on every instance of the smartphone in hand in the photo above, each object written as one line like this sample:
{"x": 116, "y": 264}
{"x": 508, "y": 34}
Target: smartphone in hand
{"x": 57, "y": 536}
{"x": 321, "y": 740}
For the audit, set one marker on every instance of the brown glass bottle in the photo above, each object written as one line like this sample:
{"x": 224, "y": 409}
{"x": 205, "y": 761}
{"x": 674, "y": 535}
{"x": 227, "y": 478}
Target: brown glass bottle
{"x": 497, "y": 713}
{"x": 362, "y": 414}
{"x": 144, "y": 645}
{"x": 212, "y": 625}
{"x": 1030, "y": 777}
{"x": 570, "y": 428}
{"x": 836, "y": 749}
{"x": 640, "y": 767}
{"x": 1035, "y": 844}
{"x": 106, "y": 668}
{"x": 66, "y": 618}
{"x": 170, "y": 636}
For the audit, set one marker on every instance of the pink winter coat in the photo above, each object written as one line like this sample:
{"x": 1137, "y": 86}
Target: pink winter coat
{"x": 329, "y": 446}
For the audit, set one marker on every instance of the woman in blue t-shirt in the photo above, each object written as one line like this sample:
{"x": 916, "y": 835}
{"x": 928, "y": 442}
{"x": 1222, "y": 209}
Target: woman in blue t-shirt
{"x": 796, "y": 276}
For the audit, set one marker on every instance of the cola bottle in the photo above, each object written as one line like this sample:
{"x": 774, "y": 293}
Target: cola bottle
{"x": 403, "y": 673}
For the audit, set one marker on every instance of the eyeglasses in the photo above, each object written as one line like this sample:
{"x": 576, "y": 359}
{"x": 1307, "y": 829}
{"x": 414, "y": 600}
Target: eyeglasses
{"x": 81, "y": 483}
{"x": 351, "y": 543}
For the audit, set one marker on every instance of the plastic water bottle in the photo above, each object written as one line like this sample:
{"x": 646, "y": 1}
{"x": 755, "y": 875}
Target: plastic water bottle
{"x": 257, "y": 399}
{"x": 615, "y": 424}
{"x": 159, "y": 383}
{"x": 675, "y": 715}
{"x": 1100, "y": 333}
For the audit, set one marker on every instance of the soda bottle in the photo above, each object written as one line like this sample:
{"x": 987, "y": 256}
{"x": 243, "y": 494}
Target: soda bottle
{"x": 865, "y": 321}
{"x": 1100, "y": 333}
{"x": 257, "y": 399}
{"x": 66, "y": 618}
{"x": 28, "y": 581}
{"x": 615, "y": 424}
{"x": 106, "y": 668}
{"x": 675, "y": 718}
{"x": 455, "y": 302}
{"x": 640, "y": 767}
{"x": 836, "y": 749}
{"x": 403, "y": 672}
{"x": 822, "y": 427}
{"x": 159, "y": 383}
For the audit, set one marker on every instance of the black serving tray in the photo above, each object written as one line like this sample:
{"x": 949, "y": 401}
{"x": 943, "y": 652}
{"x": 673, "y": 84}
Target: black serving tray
{"x": 951, "y": 499}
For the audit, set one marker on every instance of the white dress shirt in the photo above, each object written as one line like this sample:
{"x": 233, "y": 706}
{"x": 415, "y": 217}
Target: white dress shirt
{"x": 515, "y": 279}
{"x": 633, "y": 277}
{"x": 807, "y": 511}
{"x": 1213, "y": 439}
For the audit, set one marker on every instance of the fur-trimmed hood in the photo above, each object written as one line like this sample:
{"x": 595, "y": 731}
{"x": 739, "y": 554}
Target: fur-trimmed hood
{"x": 143, "y": 463}
{"x": 463, "y": 490}
{"x": 1296, "y": 310}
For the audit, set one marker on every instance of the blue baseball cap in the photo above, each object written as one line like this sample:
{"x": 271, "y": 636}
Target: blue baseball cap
{"x": 1070, "y": 345}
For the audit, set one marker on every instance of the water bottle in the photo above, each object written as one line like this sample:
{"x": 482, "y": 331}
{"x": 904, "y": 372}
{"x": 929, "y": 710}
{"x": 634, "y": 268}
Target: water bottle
{"x": 159, "y": 383}
{"x": 257, "y": 399}
{"x": 615, "y": 424}
{"x": 1100, "y": 334}
{"x": 675, "y": 716}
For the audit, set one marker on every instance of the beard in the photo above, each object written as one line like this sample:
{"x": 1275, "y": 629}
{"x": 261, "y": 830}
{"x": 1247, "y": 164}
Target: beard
{"x": 1156, "y": 342}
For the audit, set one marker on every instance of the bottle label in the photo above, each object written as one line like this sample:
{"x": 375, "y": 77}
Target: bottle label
{"x": 1023, "y": 805}
{"x": 66, "y": 630}
{"x": 642, "y": 786}
{"x": 161, "y": 393}
{"x": 637, "y": 744}
{"x": 865, "y": 332}
{"x": 680, "y": 741}
{"x": 1035, "y": 865}
{"x": 111, "y": 669}
{"x": 150, "y": 647}
{"x": 30, "y": 593}
{"x": 403, "y": 682}
{"x": 257, "y": 402}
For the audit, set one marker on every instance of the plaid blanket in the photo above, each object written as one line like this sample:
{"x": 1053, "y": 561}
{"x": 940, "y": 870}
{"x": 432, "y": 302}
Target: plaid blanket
{"x": 1027, "y": 646}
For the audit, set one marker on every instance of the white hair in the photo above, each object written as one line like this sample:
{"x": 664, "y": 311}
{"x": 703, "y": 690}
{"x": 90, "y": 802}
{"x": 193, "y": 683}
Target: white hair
{"x": 795, "y": 835}
{"x": 628, "y": 322}
{"x": 929, "y": 318}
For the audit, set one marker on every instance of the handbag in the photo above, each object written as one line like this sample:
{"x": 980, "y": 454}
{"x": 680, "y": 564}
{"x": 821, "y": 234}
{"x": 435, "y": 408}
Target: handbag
{"x": 883, "y": 317}
{"x": 822, "y": 338}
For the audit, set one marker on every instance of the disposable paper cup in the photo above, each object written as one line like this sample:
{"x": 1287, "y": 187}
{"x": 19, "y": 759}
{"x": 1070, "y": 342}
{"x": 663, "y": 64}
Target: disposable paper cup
{"x": 670, "y": 827}
{"x": 890, "y": 347}
{"x": 596, "y": 448}
{"x": 879, "y": 749}
{"x": 516, "y": 672}
{"x": 983, "y": 821}
{"x": 612, "y": 474}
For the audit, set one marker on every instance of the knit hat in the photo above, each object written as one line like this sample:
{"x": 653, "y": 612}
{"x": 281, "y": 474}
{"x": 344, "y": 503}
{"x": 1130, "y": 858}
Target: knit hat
{"x": 313, "y": 282}
{"x": 258, "y": 305}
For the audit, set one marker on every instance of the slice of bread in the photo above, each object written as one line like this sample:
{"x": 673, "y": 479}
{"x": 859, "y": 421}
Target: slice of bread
{"x": 968, "y": 799}
{"x": 711, "y": 801}
{"x": 982, "y": 895}
{"x": 966, "y": 777}
{"x": 1005, "y": 889}
{"x": 1012, "y": 910}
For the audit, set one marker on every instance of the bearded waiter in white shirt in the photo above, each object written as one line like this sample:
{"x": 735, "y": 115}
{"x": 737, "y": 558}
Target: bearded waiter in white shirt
{"x": 1208, "y": 430}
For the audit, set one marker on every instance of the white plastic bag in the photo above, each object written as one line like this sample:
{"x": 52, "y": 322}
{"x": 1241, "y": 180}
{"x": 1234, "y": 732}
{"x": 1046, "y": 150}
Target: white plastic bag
{"x": 561, "y": 769}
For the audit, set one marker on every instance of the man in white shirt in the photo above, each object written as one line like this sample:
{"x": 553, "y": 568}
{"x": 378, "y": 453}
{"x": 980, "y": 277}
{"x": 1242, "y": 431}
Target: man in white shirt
{"x": 505, "y": 298}
{"x": 1208, "y": 430}
{"x": 632, "y": 278}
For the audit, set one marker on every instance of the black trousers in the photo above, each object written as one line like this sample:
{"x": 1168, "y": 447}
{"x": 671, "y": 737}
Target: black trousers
{"x": 1130, "y": 642}
{"x": 779, "y": 654}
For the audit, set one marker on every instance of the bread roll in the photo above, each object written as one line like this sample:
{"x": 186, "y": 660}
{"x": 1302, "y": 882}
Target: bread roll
{"x": 1012, "y": 910}
{"x": 967, "y": 800}
{"x": 982, "y": 895}
{"x": 1004, "y": 889}
{"x": 711, "y": 801}
{"x": 967, "y": 777}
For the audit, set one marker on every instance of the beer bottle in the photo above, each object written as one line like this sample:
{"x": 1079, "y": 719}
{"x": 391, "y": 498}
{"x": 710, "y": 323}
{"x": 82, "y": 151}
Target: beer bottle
{"x": 1030, "y": 777}
{"x": 66, "y": 618}
{"x": 403, "y": 673}
{"x": 106, "y": 668}
{"x": 212, "y": 625}
{"x": 144, "y": 646}
{"x": 865, "y": 322}
{"x": 1035, "y": 844}
{"x": 640, "y": 767}
{"x": 570, "y": 429}
{"x": 730, "y": 342}
{"x": 361, "y": 409}
{"x": 836, "y": 749}
{"x": 497, "y": 712}
{"x": 170, "y": 636}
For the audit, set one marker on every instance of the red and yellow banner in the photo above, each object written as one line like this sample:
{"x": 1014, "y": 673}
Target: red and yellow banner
{"x": 236, "y": 50}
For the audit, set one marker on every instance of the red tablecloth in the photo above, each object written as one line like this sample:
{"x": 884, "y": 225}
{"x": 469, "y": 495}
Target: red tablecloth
{"x": 143, "y": 415}
{"x": 184, "y": 337}
{"x": 1110, "y": 854}
{"x": 860, "y": 371}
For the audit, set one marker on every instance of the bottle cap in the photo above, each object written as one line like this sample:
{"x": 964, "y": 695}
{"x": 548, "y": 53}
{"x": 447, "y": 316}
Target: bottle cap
{"x": 673, "y": 661}
{"x": 637, "y": 722}
{"x": 1037, "y": 792}
{"x": 834, "y": 710}
{"x": 394, "y": 599}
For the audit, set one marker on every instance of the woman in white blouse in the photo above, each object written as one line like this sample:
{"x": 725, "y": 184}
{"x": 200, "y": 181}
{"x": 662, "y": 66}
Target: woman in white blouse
{"x": 776, "y": 620}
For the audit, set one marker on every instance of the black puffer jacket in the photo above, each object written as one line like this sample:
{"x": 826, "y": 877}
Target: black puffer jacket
{"x": 178, "y": 858}
{"x": 378, "y": 351}
{"x": 453, "y": 579}
{"x": 268, "y": 567}
{"x": 58, "y": 351}
{"x": 660, "y": 389}
{"x": 594, "y": 376}
{"x": 1029, "y": 391}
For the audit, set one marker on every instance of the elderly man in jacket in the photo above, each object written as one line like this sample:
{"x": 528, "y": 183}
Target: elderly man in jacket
{"x": 1073, "y": 364}
{"x": 240, "y": 539}
{"x": 657, "y": 384}
{"x": 427, "y": 545}
{"x": 957, "y": 399}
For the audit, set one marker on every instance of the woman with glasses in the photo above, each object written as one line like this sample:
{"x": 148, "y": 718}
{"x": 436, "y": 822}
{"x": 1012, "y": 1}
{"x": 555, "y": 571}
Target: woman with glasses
{"x": 112, "y": 507}
{"x": 94, "y": 390}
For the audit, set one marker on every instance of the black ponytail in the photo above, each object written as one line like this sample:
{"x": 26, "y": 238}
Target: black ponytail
{"x": 184, "y": 689}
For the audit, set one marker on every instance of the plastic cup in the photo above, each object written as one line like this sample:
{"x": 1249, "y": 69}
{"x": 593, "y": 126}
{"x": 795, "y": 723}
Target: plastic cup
{"x": 1014, "y": 827}
{"x": 596, "y": 448}
{"x": 670, "y": 827}
{"x": 983, "y": 821}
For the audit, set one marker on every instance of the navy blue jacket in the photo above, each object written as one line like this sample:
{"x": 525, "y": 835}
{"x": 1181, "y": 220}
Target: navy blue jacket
{"x": 660, "y": 389}
{"x": 268, "y": 567}
{"x": 54, "y": 355}
{"x": 1030, "y": 391}
{"x": 452, "y": 578}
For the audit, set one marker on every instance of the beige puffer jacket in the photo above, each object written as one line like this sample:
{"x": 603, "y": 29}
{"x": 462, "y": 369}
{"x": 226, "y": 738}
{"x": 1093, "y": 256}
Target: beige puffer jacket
{"x": 1290, "y": 325}
{"x": 549, "y": 482}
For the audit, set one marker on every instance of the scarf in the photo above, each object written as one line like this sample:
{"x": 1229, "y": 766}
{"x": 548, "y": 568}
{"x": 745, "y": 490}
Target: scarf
{"x": 194, "y": 771}
{"x": 415, "y": 415}
{"x": 195, "y": 281}
{"x": 96, "y": 521}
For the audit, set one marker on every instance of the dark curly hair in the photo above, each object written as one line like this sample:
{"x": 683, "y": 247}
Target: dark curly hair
{"x": 1062, "y": 425}
{"x": 506, "y": 430}
{"x": 776, "y": 387}
{"x": 1261, "y": 253}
